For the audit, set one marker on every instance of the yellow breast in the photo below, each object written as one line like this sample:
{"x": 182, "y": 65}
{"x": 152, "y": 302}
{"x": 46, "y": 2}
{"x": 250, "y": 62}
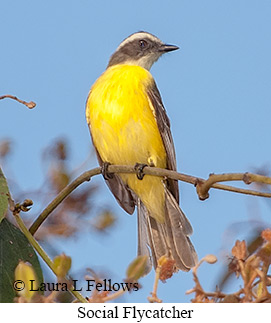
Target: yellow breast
{"x": 123, "y": 126}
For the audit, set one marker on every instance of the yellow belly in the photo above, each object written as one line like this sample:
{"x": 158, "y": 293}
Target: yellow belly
{"x": 124, "y": 129}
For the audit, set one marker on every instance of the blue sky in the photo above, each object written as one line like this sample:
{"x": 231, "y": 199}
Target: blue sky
{"x": 216, "y": 90}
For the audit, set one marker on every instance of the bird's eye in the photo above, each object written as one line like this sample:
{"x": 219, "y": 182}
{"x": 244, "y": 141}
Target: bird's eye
{"x": 142, "y": 43}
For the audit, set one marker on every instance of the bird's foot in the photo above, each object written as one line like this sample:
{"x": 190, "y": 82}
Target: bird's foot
{"x": 139, "y": 170}
{"x": 104, "y": 171}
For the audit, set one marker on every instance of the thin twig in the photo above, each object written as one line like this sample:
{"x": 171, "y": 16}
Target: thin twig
{"x": 61, "y": 196}
{"x": 30, "y": 104}
{"x": 154, "y": 171}
{"x": 113, "y": 296}
{"x": 153, "y": 298}
{"x": 43, "y": 254}
{"x": 248, "y": 178}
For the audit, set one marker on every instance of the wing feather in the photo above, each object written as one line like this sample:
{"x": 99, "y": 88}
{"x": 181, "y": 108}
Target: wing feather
{"x": 121, "y": 192}
{"x": 164, "y": 128}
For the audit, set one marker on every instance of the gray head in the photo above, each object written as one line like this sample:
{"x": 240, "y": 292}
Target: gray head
{"x": 141, "y": 49}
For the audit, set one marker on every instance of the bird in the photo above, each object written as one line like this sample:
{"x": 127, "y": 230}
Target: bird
{"x": 129, "y": 125}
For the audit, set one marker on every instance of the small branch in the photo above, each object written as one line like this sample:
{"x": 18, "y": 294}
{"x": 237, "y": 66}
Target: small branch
{"x": 113, "y": 296}
{"x": 61, "y": 196}
{"x": 43, "y": 254}
{"x": 153, "y": 298}
{"x": 201, "y": 186}
{"x": 201, "y": 295}
{"x": 30, "y": 104}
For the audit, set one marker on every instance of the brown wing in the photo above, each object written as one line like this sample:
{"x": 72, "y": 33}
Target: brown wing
{"x": 121, "y": 192}
{"x": 173, "y": 235}
{"x": 164, "y": 128}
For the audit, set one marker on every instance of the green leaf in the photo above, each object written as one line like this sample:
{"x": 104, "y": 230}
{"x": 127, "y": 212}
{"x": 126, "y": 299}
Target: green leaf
{"x": 137, "y": 268}
{"x": 4, "y": 196}
{"x": 14, "y": 247}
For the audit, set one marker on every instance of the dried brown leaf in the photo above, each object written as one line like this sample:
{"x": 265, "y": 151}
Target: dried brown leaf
{"x": 239, "y": 251}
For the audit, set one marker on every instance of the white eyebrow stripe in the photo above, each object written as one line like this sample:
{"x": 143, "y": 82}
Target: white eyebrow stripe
{"x": 138, "y": 36}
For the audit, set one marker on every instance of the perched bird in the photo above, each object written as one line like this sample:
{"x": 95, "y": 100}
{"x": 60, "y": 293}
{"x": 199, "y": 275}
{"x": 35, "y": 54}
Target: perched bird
{"x": 129, "y": 125}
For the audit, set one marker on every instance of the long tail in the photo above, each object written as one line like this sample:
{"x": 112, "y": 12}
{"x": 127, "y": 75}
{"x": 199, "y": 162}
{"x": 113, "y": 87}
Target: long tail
{"x": 170, "y": 238}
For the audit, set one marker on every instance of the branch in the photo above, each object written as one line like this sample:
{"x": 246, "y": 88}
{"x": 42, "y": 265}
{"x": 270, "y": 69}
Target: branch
{"x": 42, "y": 253}
{"x": 61, "y": 196}
{"x": 202, "y": 186}
{"x": 30, "y": 104}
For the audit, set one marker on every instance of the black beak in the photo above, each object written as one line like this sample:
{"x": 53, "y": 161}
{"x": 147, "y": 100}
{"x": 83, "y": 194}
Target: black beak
{"x": 167, "y": 48}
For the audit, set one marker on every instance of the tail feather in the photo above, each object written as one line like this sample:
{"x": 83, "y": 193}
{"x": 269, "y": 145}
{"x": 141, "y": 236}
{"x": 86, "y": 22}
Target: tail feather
{"x": 170, "y": 238}
{"x": 175, "y": 211}
{"x": 151, "y": 237}
{"x": 158, "y": 240}
{"x": 144, "y": 236}
{"x": 179, "y": 228}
